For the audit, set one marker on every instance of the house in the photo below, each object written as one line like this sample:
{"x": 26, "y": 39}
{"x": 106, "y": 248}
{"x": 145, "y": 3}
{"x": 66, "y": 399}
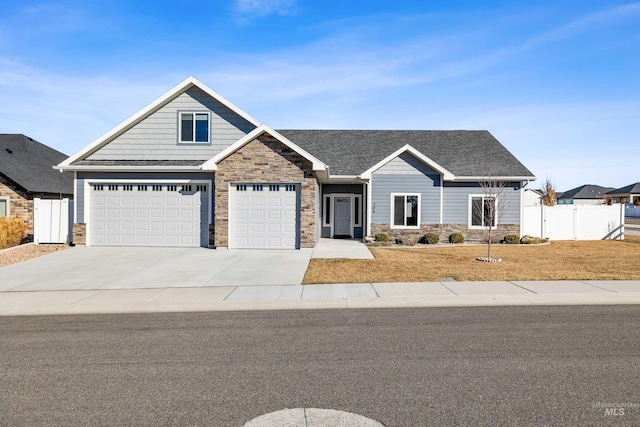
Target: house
{"x": 584, "y": 195}
{"x": 531, "y": 197}
{"x": 26, "y": 173}
{"x": 193, "y": 169}
{"x": 627, "y": 194}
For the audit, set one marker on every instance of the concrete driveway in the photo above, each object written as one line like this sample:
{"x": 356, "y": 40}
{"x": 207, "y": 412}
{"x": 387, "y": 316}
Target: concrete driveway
{"x": 129, "y": 268}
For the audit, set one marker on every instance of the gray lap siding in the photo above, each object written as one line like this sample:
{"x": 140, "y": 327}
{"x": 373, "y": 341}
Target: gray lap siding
{"x": 456, "y": 203}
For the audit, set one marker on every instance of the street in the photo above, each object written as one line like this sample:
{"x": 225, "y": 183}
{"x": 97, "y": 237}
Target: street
{"x": 401, "y": 367}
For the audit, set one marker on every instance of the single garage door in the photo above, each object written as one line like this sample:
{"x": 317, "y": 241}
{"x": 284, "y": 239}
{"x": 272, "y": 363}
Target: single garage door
{"x": 150, "y": 214}
{"x": 264, "y": 216}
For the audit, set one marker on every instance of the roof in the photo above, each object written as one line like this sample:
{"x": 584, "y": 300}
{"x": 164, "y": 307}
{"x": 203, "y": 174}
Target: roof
{"x": 587, "y": 191}
{"x": 631, "y": 188}
{"x": 464, "y": 153}
{"x": 29, "y": 164}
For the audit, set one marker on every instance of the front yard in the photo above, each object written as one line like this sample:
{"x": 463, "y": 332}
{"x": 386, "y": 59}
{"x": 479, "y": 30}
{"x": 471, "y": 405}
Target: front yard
{"x": 566, "y": 260}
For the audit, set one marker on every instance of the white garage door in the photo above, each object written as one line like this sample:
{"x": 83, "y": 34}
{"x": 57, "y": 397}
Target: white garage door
{"x": 149, "y": 215}
{"x": 263, "y": 216}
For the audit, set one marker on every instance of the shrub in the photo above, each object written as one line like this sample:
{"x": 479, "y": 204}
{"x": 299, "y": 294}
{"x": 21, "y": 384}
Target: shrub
{"x": 430, "y": 239}
{"x": 511, "y": 239}
{"x": 532, "y": 240}
{"x": 382, "y": 237}
{"x": 456, "y": 238}
{"x": 410, "y": 240}
{"x": 11, "y": 232}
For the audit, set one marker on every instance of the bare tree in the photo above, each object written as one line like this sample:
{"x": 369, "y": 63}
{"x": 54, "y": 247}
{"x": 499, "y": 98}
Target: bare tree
{"x": 488, "y": 208}
{"x": 548, "y": 191}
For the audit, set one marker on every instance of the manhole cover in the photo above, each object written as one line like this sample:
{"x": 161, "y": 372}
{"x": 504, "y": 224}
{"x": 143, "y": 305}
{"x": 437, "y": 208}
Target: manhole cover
{"x": 312, "y": 417}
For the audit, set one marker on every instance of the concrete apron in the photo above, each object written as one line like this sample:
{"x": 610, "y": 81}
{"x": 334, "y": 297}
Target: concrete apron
{"x": 83, "y": 268}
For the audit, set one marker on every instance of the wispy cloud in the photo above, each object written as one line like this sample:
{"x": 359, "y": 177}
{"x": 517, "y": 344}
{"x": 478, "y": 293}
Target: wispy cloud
{"x": 264, "y": 7}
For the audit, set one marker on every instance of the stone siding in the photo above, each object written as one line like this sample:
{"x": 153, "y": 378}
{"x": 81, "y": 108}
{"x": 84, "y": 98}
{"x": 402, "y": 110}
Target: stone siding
{"x": 80, "y": 233}
{"x": 261, "y": 161}
{"x": 20, "y": 205}
{"x": 444, "y": 230}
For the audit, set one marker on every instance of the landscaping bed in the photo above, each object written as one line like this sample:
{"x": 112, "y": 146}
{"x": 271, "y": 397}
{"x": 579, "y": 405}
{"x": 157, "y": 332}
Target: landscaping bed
{"x": 28, "y": 251}
{"x": 563, "y": 260}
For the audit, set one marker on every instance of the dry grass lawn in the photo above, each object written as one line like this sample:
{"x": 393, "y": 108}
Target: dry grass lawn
{"x": 567, "y": 260}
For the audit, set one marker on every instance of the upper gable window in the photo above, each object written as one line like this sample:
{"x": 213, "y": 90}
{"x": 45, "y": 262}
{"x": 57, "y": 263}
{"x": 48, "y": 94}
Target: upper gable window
{"x": 194, "y": 128}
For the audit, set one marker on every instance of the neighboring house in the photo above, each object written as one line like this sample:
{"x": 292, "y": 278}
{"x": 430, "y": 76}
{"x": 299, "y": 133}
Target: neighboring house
{"x": 26, "y": 172}
{"x": 626, "y": 194}
{"x": 584, "y": 195}
{"x": 193, "y": 169}
{"x": 531, "y": 197}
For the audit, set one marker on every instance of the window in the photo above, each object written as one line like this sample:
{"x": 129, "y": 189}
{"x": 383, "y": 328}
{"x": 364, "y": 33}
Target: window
{"x": 482, "y": 211}
{"x": 172, "y": 187}
{"x": 257, "y": 187}
{"x": 113, "y": 187}
{"x": 405, "y": 211}
{"x": 357, "y": 211}
{"x": 156, "y": 187}
{"x": 98, "y": 187}
{"x": 194, "y": 127}
{"x": 327, "y": 212}
{"x": 142, "y": 187}
{"x": 127, "y": 187}
{"x": 4, "y": 207}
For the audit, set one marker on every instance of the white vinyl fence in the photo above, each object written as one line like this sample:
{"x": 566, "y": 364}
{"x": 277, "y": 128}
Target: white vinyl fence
{"x": 632, "y": 212}
{"x": 52, "y": 220}
{"x": 574, "y": 222}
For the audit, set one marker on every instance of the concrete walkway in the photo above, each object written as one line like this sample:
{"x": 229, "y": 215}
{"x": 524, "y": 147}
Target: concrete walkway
{"x": 295, "y": 297}
{"x": 341, "y": 248}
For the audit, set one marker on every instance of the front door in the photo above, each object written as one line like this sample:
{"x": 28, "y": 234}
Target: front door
{"x": 342, "y": 216}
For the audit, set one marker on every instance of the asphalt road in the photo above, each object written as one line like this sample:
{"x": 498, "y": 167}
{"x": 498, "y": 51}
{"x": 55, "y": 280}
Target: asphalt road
{"x": 402, "y": 367}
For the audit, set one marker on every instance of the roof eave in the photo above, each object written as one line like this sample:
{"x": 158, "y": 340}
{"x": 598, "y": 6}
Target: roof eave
{"x": 212, "y": 164}
{"x": 446, "y": 175}
{"x": 98, "y": 168}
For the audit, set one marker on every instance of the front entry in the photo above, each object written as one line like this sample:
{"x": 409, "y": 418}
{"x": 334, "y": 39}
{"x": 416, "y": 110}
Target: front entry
{"x": 342, "y": 217}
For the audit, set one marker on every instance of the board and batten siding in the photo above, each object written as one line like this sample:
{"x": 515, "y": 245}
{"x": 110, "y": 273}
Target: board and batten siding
{"x": 83, "y": 177}
{"x": 156, "y": 136}
{"x": 405, "y": 174}
{"x": 455, "y": 209}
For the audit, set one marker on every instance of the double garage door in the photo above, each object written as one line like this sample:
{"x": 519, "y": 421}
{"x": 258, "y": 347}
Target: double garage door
{"x": 261, "y": 216}
{"x": 152, "y": 214}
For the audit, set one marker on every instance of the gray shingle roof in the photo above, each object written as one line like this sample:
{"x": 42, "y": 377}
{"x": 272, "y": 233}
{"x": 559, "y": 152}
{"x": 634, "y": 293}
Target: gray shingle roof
{"x": 461, "y": 152}
{"x": 587, "y": 191}
{"x": 628, "y": 189}
{"x": 29, "y": 164}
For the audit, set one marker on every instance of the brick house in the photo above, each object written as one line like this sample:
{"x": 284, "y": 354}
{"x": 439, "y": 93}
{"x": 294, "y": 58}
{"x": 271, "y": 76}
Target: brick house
{"x": 26, "y": 172}
{"x": 193, "y": 169}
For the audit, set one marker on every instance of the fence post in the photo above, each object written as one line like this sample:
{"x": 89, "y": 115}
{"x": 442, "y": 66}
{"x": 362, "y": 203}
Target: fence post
{"x": 622, "y": 215}
{"x": 575, "y": 222}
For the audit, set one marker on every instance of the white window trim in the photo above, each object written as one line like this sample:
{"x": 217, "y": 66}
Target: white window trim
{"x": 470, "y": 212}
{"x": 8, "y": 200}
{"x": 391, "y": 212}
{"x": 180, "y": 141}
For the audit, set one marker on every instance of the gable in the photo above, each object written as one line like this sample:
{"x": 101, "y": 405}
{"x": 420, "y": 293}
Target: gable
{"x": 156, "y": 136}
{"x": 405, "y": 164}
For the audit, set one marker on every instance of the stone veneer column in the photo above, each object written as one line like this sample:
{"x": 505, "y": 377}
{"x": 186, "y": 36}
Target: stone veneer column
{"x": 261, "y": 161}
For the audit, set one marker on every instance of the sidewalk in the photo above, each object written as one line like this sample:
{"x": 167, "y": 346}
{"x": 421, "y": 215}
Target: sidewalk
{"x": 338, "y": 296}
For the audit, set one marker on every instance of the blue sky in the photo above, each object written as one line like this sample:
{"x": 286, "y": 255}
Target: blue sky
{"x": 557, "y": 82}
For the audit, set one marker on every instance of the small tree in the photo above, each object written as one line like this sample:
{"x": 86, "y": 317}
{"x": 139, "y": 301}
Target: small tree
{"x": 486, "y": 210}
{"x": 548, "y": 191}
